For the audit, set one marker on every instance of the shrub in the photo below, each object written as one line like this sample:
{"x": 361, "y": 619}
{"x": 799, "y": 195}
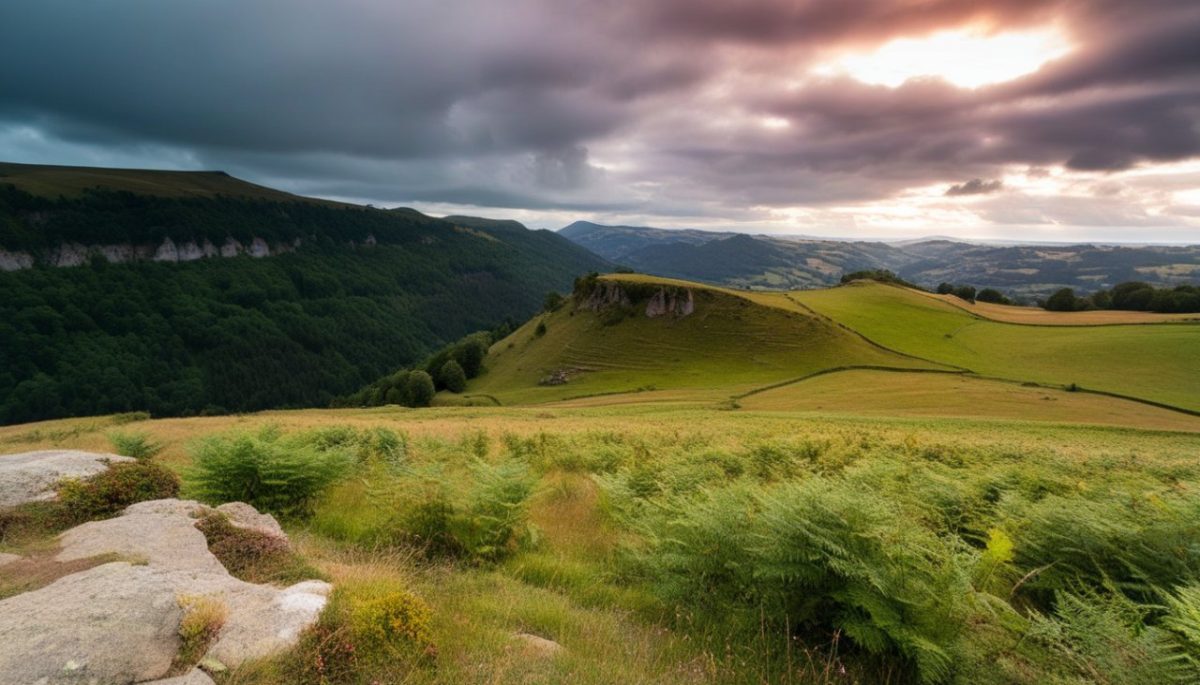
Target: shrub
{"x": 397, "y": 618}
{"x": 265, "y": 471}
{"x": 110, "y": 491}
{"x": 817, "y": 557}
{"x": 1133, "y": 545}
{"x": 130, "y": 417}
{"x": 481, "y": 516}
{"x": 366, "y": 445}
{"x": 252, "y": 555}
{"x": 203, "y": 618}
{"x": 553, "y": 302}
{"x": 137, "y": 445}
{"x": 494, "y": 521}
{"x": 540, "y": 330}
{"x": 375, "y": 628}
{"x": 1103, "y": 638}
{"x": 451, "y": 377}
{"x": 1182, "y": 621}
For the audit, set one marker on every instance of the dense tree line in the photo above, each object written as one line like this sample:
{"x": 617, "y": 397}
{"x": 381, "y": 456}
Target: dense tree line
{"x": 447, "y": 369}
{"x": 243, "y": 334}
{"x": 1132, "y": 296}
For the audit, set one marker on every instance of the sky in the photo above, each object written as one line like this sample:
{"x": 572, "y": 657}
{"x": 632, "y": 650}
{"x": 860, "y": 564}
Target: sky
{"x": 1031, "y": 120}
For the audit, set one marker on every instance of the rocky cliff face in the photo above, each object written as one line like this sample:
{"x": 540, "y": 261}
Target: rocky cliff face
{"x": 678, "y": 302}
{"x": 604, "y": 296}
{"x": 660, "y": 300}
{"x": 77, "y": 254}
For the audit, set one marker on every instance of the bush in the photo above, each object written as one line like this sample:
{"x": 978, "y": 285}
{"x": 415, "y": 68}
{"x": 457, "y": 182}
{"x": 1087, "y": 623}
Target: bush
{"x": 109, "y": 492}
{"x": 1132, "y": 545}
{"x": 397, "y": 618}
{"x": 265, "y": 471}
{"x": 366, "y": 445}
{"x": 553, "y": 302}
{"x": 376, "y": 628}
{"x": 1105, "y": 639}
{"x": 481, "y": 516}
{"x": 451, "y": 377}
{"x": 251, "y": 555}
{"x": 203, "y": 618}
{"x": 822, "y": 559}
{"x": 137, "y": 445}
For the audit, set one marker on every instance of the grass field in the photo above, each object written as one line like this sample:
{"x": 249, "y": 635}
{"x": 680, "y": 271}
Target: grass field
{"x": 581, "y": 583}
{"x": 884, "y": 393}
{"x": 1036, "y": 316}
{"x": 1156, "y": 363}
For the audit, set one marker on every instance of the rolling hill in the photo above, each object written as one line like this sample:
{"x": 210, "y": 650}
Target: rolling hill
{"x": 788, "y": 262}
{"x": 1155, "y": 363}
{"x": 186, "y": 292}
{"x": 865, "y": 347}
{"x": 734, "y": 259}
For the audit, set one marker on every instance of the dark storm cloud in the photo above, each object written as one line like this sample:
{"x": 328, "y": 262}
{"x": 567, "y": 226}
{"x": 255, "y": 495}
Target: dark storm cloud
{"x": 976, "y": 186}
{"x": 522, "y": 103}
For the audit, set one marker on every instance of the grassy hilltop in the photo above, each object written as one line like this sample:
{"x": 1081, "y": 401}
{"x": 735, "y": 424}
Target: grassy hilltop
{"x": 866, "y": 341}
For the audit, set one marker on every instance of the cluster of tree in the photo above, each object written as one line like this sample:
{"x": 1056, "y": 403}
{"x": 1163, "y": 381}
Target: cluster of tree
{"x": 243, "y": 334}
{"x": 880, "y": 275}
{"x": 1132, "y": 296}
{"x": 970, "y": 294}
{"x": 447, "y": 369}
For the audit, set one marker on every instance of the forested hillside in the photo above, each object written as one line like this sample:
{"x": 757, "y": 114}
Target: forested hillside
{"x": 360, "y": 293}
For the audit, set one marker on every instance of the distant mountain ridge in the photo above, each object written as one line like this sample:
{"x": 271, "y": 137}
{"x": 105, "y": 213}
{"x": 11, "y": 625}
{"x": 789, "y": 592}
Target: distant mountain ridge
{"x": 760, "y": 261}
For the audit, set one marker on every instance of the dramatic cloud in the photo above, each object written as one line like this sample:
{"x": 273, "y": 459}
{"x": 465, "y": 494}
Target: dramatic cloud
{"x": 762, "y": 115}
{"x": 976, "y": 186}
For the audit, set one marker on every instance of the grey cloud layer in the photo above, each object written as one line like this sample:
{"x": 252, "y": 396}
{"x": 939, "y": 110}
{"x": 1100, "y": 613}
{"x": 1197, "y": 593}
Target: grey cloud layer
{"x": 517, "y": 104}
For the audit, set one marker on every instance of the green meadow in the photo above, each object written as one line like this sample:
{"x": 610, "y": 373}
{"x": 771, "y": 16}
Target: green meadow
{"x": 860, "y": 485}
{"x": 1156, "y": 362}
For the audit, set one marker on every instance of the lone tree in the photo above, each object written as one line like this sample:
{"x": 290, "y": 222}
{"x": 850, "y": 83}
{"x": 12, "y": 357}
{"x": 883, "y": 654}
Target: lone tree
{"x": 452, "y": 376}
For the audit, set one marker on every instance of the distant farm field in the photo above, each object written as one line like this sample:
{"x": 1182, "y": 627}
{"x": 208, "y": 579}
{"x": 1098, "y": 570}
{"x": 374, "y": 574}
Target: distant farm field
{"x": 1158, "y": 363}
{"x": 889, "y": 393}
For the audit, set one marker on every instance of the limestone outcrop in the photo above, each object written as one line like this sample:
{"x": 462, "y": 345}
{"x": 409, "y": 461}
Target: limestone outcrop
{"x": 119, "y": 622}
{"x": 32, "y": 476}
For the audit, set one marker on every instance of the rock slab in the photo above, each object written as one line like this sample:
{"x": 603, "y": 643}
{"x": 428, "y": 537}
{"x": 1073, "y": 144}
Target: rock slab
{"x": 32, "y": 476}
{"x": 118, "y": 623}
